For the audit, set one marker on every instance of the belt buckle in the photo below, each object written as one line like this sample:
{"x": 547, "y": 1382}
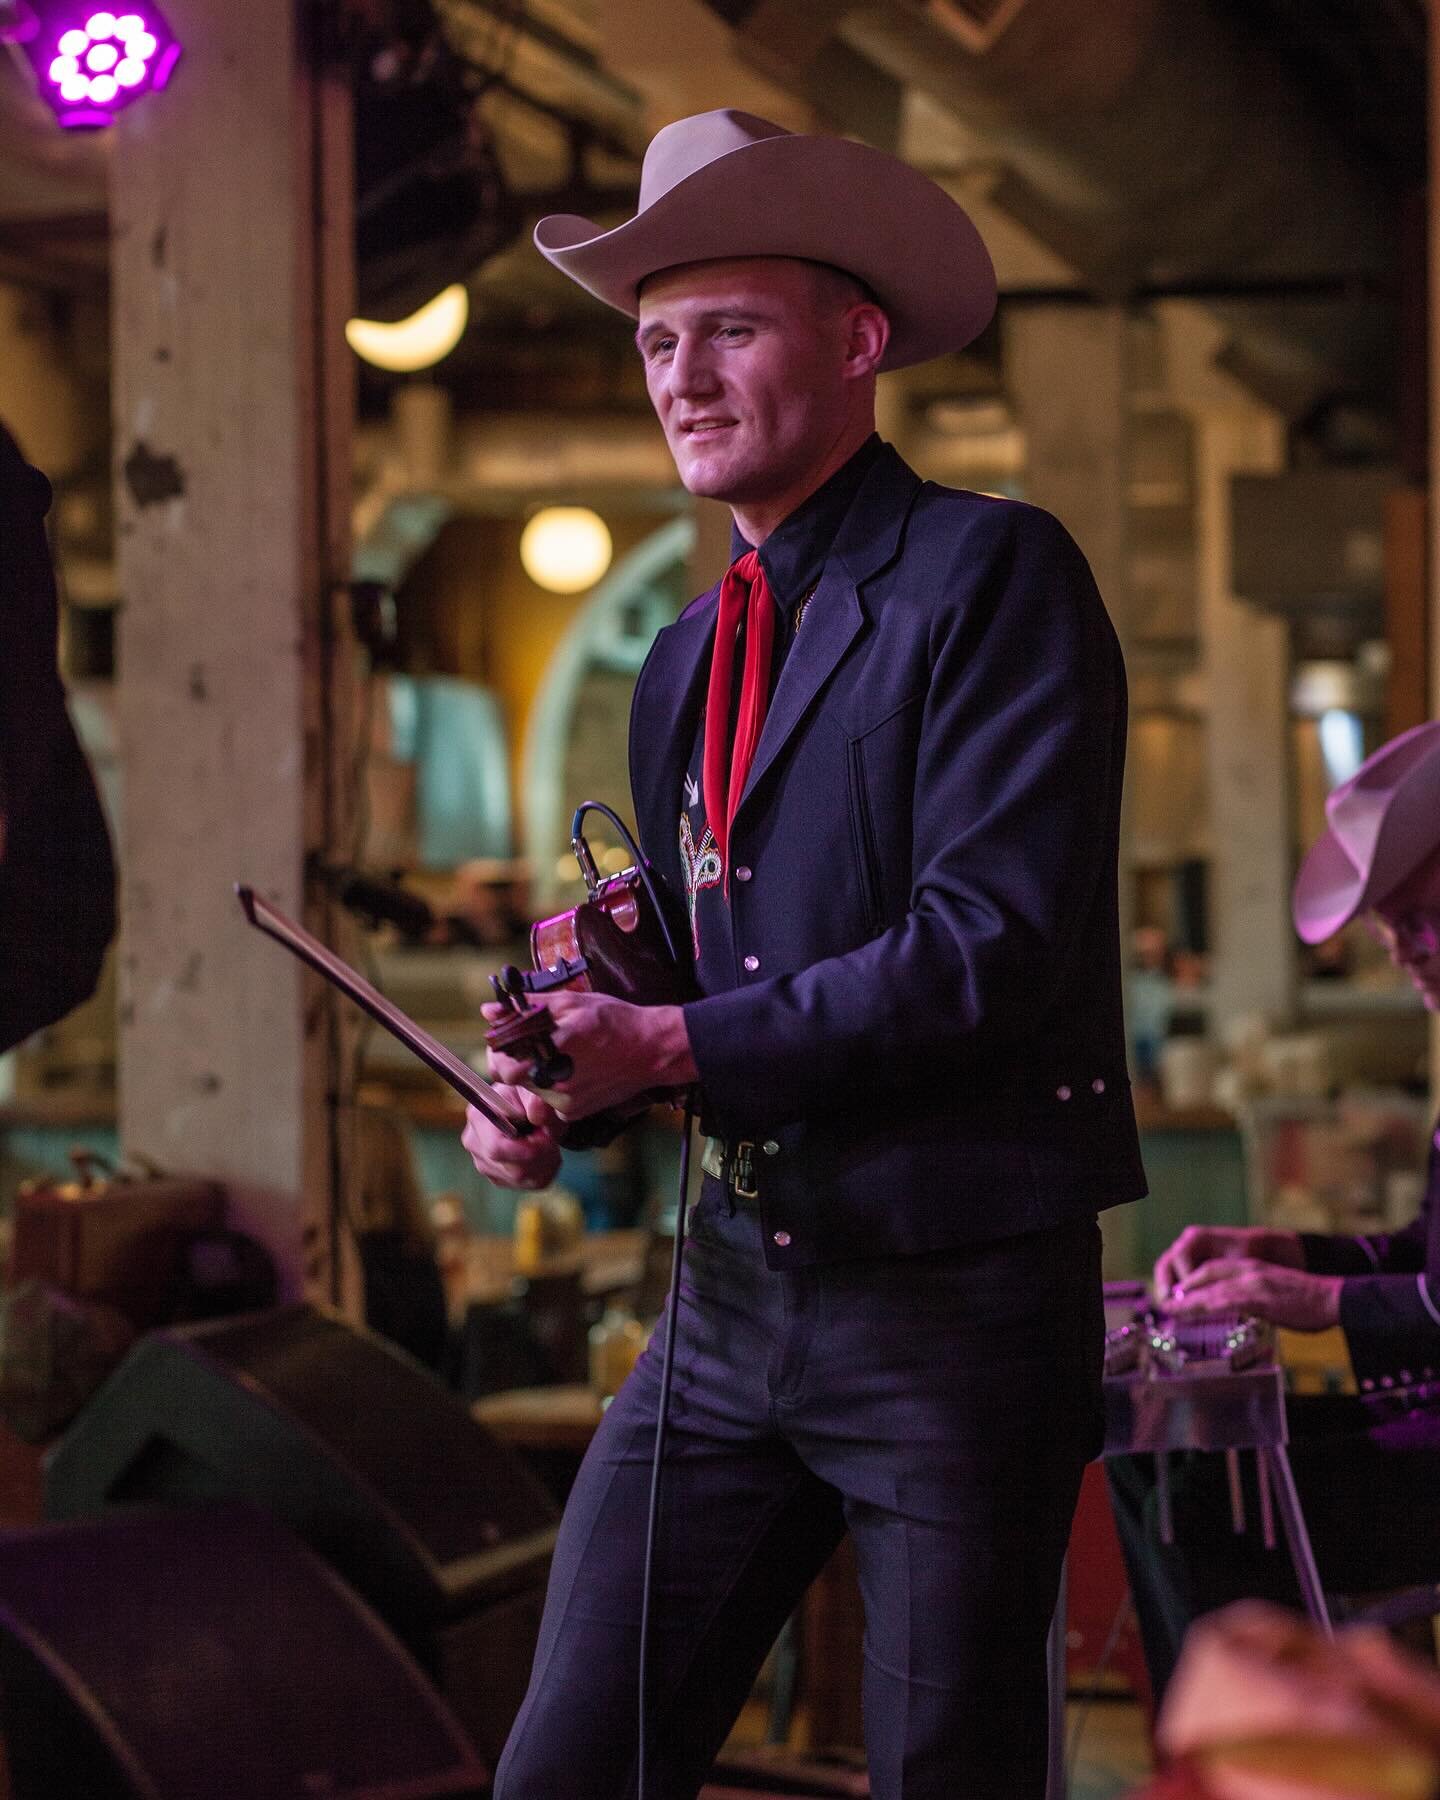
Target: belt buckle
{"x": 740, "y": 1170}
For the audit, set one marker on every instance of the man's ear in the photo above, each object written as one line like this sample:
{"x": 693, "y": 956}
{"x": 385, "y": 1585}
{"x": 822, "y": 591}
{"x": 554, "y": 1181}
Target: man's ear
{"x": 867, "y": 334}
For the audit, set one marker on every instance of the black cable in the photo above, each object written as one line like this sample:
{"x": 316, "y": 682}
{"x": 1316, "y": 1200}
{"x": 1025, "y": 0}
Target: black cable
{"x": 667, "y": 1371}
{"x": 642, "y": 867}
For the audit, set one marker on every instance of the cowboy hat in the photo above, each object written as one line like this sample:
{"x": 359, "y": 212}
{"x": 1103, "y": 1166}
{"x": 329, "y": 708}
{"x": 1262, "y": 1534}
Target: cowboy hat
{"x": 726, "y": 184}
{"x": 1383, "y": 823}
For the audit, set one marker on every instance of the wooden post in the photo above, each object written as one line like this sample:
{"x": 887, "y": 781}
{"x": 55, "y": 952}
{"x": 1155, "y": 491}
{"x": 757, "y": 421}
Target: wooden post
{"x": 232, "y": 271}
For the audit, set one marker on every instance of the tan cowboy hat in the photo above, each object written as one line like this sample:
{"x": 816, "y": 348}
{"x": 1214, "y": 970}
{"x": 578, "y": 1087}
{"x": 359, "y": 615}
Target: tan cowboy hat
{"x": 726, "y": 184}
{"x": 1383, "y": 823}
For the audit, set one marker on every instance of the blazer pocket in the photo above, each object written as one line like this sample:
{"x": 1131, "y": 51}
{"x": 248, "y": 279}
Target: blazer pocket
{"x": 862, "y": 836}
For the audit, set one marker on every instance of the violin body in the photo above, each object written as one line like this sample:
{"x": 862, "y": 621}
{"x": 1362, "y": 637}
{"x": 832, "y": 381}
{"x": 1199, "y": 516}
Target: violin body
{"x": 612, "y": 943}
{"x": 615, "y": 942}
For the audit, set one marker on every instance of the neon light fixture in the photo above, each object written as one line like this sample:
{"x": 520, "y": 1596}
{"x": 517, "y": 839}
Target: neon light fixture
{"x": 91, "y": 65}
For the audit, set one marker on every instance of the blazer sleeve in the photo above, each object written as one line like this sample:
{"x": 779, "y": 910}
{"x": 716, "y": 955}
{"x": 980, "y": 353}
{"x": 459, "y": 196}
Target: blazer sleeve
{"x": 1015, "y": 808}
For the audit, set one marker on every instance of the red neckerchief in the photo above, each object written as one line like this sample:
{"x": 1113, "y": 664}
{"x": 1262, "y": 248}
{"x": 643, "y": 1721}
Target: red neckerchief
{"x": 743, "y": 593}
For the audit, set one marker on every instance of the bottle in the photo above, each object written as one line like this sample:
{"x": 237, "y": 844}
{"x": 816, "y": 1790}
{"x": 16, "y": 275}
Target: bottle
{"x": 616, "y": 1341}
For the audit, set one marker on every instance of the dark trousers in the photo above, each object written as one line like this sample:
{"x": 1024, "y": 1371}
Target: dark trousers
{"x": 1371, "y": 1499}
{"x": 940, "y": 1407}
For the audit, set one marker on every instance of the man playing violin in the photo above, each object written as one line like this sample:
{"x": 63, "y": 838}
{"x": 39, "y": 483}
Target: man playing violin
{"x": 1367, "y": 1466}
{"x": 881, "y": 763}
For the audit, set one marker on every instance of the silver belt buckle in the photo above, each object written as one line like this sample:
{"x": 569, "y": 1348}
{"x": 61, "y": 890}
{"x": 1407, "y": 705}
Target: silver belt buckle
{"x": 740, "y": 1170}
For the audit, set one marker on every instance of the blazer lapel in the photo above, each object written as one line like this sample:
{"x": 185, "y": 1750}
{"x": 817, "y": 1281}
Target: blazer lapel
{"x": 865, "y": 543}
{"x": 663, "y": 731}
{"x": 832, "y": 619}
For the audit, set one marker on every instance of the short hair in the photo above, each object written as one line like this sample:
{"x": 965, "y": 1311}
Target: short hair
{"x": 839, "y": 288}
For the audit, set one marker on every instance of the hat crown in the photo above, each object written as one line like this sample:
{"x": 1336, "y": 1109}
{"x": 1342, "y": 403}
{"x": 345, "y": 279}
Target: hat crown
{"x": 1357, "y": 808}
{"x": 681, "y": 149}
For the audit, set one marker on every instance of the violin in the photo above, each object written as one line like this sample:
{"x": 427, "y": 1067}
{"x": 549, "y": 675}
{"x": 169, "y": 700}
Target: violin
{"x": 618, "y": 940}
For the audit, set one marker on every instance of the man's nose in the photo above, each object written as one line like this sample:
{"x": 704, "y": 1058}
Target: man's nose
{"x": 692, "y": 369}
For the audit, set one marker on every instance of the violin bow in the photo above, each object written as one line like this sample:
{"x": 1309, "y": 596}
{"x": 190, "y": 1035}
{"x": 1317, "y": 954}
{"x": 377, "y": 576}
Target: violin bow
{"x": 446, "y": 1064}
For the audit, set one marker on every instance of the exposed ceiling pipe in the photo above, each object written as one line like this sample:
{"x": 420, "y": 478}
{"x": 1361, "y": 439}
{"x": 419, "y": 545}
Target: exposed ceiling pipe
{"x": 1148, "y": 141}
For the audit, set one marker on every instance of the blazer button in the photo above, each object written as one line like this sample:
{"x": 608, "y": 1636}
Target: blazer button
{"x": 782, "y": 1238}
{"x": 1062, "y": 1093}
{"x": 1097, "y": 1086}
{"x": 743, "y": 873}
{"x": 770, "y": 1147}
{"x": 752, "y": 963}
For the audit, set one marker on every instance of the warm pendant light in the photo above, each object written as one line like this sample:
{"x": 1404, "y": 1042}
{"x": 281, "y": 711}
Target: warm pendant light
{"x": 566, "y": 548}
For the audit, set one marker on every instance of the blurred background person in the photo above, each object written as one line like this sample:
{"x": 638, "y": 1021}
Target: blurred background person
{"x": 1367, "y": 1465}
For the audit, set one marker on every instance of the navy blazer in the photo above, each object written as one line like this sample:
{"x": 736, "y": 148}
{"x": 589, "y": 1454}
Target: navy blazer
{"x": 929, "y": 1049}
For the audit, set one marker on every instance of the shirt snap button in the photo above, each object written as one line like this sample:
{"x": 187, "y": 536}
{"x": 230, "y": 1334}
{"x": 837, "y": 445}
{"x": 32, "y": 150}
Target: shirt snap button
{"x": 770, "y": 1147}
{"x": 1062, "y": 1093}
{"x": 752, "y": 963}
{"x": 1097, "y": 1086}
{"x": 782, "y": 1238}
{"x": 743, "y": 873}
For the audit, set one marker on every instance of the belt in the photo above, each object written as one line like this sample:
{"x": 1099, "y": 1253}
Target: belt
{"x": 732, "y": 1164}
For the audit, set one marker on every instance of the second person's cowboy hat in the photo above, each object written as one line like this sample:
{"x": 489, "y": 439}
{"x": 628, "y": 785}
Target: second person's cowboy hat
{"x": 1383, "y": 823}
{"x": 726, "y": 184}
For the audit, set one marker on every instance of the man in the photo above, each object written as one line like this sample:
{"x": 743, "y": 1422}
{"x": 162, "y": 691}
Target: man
{"x": 57, "y": 877}
{"x": 1368, "y": 1468}
{"x": 882, "y": 761}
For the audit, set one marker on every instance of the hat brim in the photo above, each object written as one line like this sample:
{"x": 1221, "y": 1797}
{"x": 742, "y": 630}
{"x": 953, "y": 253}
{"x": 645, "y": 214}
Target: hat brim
{"x": 1329, "y": 890}
{"x": 821, "y": 199}
{"x": 1332, "y": 886}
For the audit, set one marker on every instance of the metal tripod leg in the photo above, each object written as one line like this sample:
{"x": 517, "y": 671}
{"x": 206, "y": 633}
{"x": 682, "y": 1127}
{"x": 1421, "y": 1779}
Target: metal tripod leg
{"x": 1287, "y": 1501}
{"x": 1055, "y": 1784}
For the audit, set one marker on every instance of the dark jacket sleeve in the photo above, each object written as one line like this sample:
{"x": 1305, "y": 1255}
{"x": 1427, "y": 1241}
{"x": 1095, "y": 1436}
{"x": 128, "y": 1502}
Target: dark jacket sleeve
{"x": 1383, "y": 1253}
{"x": 1016, "y": 794}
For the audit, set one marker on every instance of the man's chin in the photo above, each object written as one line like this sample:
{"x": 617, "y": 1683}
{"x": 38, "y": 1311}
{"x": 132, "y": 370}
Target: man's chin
{"x": 706, "y": 475}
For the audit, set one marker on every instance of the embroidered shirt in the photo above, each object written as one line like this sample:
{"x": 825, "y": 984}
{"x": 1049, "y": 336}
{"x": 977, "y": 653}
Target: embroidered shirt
{"x": 792, "y": 556}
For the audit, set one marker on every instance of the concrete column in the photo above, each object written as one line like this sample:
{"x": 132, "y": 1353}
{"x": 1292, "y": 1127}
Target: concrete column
{"x": 1067, "y": 371}
{"x": 1245, "y": 658}
{"x": 232, "y": 272}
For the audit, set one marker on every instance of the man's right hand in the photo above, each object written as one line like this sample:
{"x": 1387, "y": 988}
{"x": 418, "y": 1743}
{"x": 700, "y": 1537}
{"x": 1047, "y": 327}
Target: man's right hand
{"x": 1199, "y": 1244}
{"x": 527, "y": 1162}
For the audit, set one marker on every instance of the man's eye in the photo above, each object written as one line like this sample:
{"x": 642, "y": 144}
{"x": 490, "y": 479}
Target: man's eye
{"x": 734, "y": 331}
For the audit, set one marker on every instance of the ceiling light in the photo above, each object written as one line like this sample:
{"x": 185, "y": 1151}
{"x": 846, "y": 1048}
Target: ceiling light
{"x": 416, "y": 342}
{"x": 566, "y": 548}
{"x": 90, "y": 66}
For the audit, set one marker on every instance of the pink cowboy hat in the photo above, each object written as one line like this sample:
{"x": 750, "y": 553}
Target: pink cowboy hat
{"x": 725, "y": 184}
{"x": 1383, "y": 823}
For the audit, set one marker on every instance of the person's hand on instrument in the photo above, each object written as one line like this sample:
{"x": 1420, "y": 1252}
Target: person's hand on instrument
{"x": 528, "y": 1162}
{"x": 1198, "y": 1244}
{"x": 618, "y": 1050}
{"x": 1262, "y": 1290}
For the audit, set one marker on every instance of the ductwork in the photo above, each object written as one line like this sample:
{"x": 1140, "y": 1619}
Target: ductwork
{"x": 1150, "y": 144}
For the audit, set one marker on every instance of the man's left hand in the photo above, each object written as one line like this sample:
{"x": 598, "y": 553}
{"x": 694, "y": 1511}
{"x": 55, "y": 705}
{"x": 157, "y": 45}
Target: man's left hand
{"x": 1263, "y": 1290}
{"x": 618, "y": 1050}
